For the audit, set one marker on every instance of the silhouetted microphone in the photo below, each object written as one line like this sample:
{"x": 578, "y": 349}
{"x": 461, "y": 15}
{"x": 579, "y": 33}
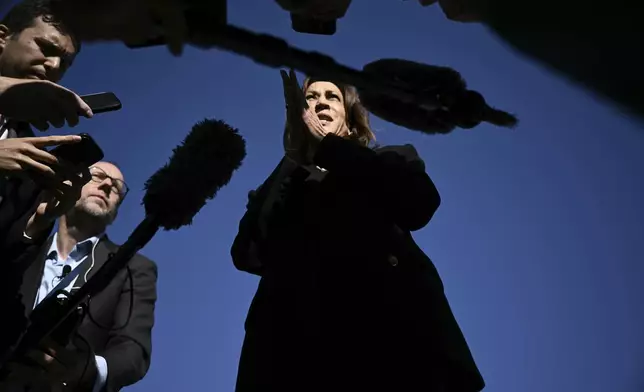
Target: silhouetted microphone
{"x": 417, "y": 96}
{"x": 199, "y": 167}
{"x": 456, "y": 105}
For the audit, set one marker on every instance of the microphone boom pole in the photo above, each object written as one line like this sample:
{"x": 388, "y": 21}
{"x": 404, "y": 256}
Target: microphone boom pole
{"x": 202, "y": 165}
{"x": 434, "y": 98}
{"x": 276, "y": 53}
{"x": 52, "y": 312}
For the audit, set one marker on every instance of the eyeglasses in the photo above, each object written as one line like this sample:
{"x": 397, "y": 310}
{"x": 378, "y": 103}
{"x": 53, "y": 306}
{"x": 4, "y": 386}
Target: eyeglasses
{"x": 118, "y": 186}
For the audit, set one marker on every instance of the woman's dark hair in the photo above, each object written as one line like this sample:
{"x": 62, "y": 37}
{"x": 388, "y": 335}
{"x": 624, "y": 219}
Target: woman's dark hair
{"x": 23, "y": 15}
{"x": 357, "y": 116}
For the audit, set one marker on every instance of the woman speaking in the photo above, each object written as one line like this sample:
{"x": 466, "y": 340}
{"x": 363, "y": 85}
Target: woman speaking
{"x": 347, "y": 301}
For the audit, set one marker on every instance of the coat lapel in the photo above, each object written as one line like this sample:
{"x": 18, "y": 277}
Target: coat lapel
{"x": 33, "y": 276}
{"x": 101, "y": 254}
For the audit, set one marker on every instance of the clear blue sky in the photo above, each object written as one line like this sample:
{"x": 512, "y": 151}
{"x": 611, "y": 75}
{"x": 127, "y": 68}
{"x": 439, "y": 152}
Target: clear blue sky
{"x": 539, "y": 239}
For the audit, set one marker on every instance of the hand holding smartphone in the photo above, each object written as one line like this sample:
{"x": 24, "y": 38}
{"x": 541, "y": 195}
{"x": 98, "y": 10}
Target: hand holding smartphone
{"x": 82, "y": 154}
{"x": 73, "y": 158}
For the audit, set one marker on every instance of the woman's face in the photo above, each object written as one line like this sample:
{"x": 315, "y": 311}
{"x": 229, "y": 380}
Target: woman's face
{"x": 326, "y": 99}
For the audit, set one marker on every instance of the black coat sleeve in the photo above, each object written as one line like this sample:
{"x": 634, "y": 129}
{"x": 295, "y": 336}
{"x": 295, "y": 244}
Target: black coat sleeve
{"x": 129, "y": 349}
{"x": 18, "y": 205}
{"x": 394, "y": 175}
{"x": 244, "y": 250}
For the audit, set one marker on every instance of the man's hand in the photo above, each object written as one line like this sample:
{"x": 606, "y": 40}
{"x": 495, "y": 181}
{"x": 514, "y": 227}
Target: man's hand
{"x": 129, "y": 21}
{"x": 40, "y": 103}
{"x": 24, "y": 155}
{"x": 60, "y": 366}
{"x": 56, "y": 202}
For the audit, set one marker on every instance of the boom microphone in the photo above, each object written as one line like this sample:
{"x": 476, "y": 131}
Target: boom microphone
{"x": 199, "y": 167}
{"x": 202, "y": 165}
{"x": 458, "y": 106}
{"x": 385, "y": 83}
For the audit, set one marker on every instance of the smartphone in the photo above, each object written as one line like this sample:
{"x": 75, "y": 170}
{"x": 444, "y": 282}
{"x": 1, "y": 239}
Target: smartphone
{"x": 84, "y": 153}
{"x": 81, "y": 154}
{"x": 102, "y": 102}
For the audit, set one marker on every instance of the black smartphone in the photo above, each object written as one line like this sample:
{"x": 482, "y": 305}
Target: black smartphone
{"x": 84, "y": 153}
{"x": 102, "y": 102}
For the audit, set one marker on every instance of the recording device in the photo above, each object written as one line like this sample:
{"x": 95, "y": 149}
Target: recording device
{"x": 81, "y": 154}
{"x": 199, "y": 167}
{"x": 75, "y": 156}
{"x": 102, "y": 102}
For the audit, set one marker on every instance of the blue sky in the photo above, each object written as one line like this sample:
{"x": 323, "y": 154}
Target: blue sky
{"x": 538, "y": 239}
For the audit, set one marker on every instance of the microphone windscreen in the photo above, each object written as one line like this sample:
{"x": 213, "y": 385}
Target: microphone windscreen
{"x": 199, "y": 167}
{"x": 438, "y": 84}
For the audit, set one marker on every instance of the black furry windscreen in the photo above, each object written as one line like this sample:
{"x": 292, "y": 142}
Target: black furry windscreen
{"x": 459, "y": 107}
{"x": 199, "y": 167}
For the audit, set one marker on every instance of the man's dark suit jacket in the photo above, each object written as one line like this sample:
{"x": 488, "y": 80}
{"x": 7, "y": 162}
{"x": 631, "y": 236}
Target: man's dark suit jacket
{"x": 127, "y": 350}
{"x": 121, "y": 329}
{"x": 127, "y": 344}
{"x": 18, "y": 196}
{"x": 347, "y": 300}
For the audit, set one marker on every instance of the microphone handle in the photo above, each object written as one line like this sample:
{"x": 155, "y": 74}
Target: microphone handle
{"x": 53, "y": 312}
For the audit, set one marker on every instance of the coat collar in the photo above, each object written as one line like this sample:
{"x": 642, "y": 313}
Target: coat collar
{"x": 33, "y": 275}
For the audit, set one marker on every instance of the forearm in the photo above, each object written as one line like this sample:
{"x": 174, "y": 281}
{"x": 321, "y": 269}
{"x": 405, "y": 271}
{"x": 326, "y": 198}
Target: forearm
{"x": 127, "y": 363}
{"x": 129, "y": 347}
{"x": 17, "y": 239}
{"x": 244, "y": 251}
{"x": 35, "y": 230}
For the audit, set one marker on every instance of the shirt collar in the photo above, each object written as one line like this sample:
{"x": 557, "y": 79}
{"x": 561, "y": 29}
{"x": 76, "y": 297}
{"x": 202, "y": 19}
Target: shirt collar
{"x": 79, "y": 251}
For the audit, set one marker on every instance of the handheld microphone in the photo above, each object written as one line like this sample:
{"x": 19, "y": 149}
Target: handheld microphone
{"x": 199, "y": 167}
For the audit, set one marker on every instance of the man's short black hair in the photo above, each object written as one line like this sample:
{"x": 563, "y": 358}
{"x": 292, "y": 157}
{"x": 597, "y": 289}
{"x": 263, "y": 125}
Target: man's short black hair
{"x": 22, "y": 16}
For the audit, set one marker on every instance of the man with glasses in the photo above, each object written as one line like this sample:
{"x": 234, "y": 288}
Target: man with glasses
{"x": 119, "y": 322}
